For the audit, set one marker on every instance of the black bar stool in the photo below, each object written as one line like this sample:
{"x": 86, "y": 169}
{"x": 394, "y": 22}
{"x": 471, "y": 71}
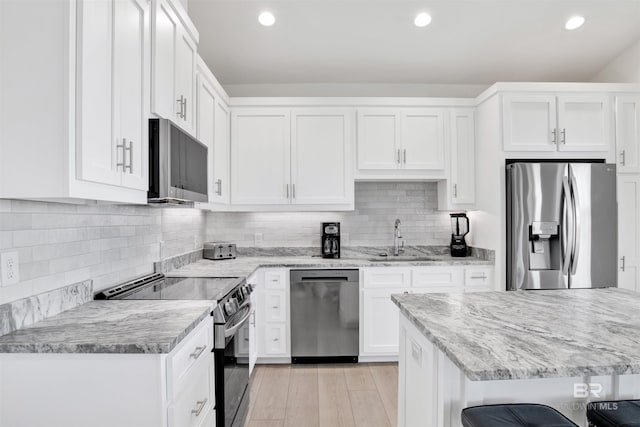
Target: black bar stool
{"x": 614, "y": 413}
{"x": 514, "y": 415}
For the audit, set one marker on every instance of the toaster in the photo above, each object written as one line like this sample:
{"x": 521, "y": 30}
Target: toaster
{"x": 219, "y": 250}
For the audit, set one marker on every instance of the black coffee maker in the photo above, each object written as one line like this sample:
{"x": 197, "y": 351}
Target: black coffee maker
{"x": 330, "y": 240}
{"x": 459, "y": 229}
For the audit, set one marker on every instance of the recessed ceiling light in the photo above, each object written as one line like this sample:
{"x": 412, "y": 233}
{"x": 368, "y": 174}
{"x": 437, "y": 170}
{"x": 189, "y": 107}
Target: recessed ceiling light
{"x": 574, "y": 22}
{"x": 267, "y": 19}
{"x": 422, "y": 20}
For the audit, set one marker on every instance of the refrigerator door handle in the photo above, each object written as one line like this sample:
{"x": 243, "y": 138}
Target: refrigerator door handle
{"x": 566, "y": 226}
{"x": 576, "y": 224}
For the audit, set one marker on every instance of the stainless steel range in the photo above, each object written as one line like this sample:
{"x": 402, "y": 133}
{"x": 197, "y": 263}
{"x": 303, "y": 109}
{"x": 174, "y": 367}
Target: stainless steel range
{"x": 229, "y": 316}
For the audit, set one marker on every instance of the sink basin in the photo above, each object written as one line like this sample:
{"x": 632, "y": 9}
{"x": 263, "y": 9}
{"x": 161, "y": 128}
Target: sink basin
{"x": 402, "y": 259}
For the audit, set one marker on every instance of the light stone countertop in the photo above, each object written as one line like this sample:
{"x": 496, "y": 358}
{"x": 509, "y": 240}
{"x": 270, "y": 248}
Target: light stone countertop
{"x": 115, "y": 326}
{"x": 356, "y": 257}
{"x": 532, "y": 334}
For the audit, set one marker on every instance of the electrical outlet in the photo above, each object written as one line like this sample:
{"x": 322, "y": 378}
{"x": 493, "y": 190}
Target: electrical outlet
{"x": 257, "y": 239}
{"x": 10, "y": 270}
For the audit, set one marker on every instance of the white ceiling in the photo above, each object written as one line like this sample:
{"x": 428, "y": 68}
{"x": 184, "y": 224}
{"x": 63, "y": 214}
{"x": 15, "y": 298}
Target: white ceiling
{"x": 375, "y": 41}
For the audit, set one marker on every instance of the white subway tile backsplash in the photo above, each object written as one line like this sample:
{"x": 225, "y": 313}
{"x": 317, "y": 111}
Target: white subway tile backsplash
{"x": 377, "y": 205}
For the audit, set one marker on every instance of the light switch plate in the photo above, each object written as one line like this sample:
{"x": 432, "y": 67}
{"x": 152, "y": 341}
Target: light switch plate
{"x": 9, "y": 264}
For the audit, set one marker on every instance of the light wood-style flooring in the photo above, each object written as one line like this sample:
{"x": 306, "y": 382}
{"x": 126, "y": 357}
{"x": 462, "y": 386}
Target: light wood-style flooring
{"x": 324, "y": 396}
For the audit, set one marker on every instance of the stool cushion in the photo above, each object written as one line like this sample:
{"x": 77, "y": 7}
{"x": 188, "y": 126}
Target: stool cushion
{"x": 621, "y": 413}
{"x": 514, "y": 415}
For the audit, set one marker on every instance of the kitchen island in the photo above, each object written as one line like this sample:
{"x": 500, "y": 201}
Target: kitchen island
{"x": 562, "y": 348}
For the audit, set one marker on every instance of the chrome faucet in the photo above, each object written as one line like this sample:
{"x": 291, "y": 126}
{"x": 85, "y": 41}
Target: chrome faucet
{"x": 398, "y": 243}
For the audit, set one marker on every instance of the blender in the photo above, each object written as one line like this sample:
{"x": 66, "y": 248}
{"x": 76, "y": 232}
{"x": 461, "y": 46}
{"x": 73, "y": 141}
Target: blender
{"x": 459, "y": 229}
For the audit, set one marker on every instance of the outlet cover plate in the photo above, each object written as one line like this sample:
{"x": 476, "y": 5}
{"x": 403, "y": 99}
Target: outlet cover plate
{"x": 9, "y": 265}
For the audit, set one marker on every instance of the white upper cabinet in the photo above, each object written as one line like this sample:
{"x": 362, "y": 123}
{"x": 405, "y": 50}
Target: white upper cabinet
{"x": 628, "y": 133}
{"x": 575, "y": 123}
{"x": 174, "y": 55}
{"x": 291, "y": 159}
{"x": 629, "y": 231}
{"x": 321, "y": 157}
{"x": 378, "y": 138}
{"x": 584, "y": 122}
{"x": 112, "y": 139}
{"x": 260, "y": 153}
{"x": 529, "y": 122}
{"x": 400, "y": 142}
{"x": 422, "y": 136}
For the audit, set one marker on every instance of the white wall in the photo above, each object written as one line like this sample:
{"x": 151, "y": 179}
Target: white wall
{"x": 377, "y": 205}
{"x": 356, "y": 89}
{"x": 61, "y": 244}
{"x": 625, "y": 68}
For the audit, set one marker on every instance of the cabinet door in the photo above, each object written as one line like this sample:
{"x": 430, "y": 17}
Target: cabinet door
{"x": 463, "y": 170}
{"x": 378, "y": 139}
{"x": 529, "y": 122}
{"x": 628, "y": 133}
{"x": 130, "y": 69}
{"x": 222, "y": 187}
{"x": 97, "y": 151}
{"x": 260, "y": 155}
{"x": 185, "y": 79}
{"x": 584, "y": 122}
{"x": 422, "y": 137}
{"x": 629, "y": 232}
{"x": 164, "y": 29}
{"x": 320, "y": 157}
{"x": 205, "y": 125}
{"x": 380, "y": 321}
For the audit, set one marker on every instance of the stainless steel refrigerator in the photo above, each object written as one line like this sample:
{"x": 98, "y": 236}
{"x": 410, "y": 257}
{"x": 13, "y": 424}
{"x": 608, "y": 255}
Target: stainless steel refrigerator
{"x": 561, "y": 225}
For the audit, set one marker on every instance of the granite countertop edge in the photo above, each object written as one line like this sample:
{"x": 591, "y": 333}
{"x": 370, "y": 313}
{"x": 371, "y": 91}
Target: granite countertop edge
{"x": 161, "y": 346}
{"x": 515, "y": 374}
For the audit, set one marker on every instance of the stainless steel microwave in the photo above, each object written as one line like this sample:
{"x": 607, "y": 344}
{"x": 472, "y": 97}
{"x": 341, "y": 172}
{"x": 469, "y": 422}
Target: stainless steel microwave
{"x": 177, "y": 165}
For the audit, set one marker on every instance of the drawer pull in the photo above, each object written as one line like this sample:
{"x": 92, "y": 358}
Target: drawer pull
{"x": 479, "y": 277}
{"x": 197, "y": 352}
{"x": 200, "y": 404}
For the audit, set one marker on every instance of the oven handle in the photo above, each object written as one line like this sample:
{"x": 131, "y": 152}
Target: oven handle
{"x": 232, "y": 330}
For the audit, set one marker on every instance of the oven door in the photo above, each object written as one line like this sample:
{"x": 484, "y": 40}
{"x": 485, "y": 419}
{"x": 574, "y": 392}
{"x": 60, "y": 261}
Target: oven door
{"x": 231, "y": 375}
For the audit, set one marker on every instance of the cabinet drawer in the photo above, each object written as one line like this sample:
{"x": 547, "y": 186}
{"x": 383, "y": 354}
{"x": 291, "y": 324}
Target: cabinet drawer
{"x": 275, "y": 279}
{"x": 193, "y": 405}
{"x": 386, "y": 277}
{"x": 195, "y": 348}
{"x": 275, "y": 340}
{"x": 437, "y": 277}
{"x": 478, "y": 277}
{"x": 275, "y": 306}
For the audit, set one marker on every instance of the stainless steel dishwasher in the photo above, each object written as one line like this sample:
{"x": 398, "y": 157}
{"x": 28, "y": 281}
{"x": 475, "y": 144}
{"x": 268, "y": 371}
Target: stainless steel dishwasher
{"x": 324, "y": 316}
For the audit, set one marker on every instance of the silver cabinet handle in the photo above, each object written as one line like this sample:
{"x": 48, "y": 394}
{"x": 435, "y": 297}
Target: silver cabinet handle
{"x": 455, "y": 190}
{"x": 219, "y": 190}
{"x": 197, "y": 352}
{"x": 293, "y": 191}
{"x": 124, "y": 162}
{"x": 131, "y": 157}
{"x": 181, "y": 104}
{"x": 563, "y": 136}
{"x": 404, "y": 153}
{"x": 200, "y": 404}
{"x": 622, "y": 260}
{"x": 554, "y": 140}
{"x": 287, "y": 187}
{"x": 623, "y": 160}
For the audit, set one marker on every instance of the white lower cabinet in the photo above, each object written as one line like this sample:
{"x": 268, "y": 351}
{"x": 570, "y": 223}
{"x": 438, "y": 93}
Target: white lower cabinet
{"x": 272, "y": 332}
{"x": 379, "y": 315}
{"x": 105, "y": 390}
